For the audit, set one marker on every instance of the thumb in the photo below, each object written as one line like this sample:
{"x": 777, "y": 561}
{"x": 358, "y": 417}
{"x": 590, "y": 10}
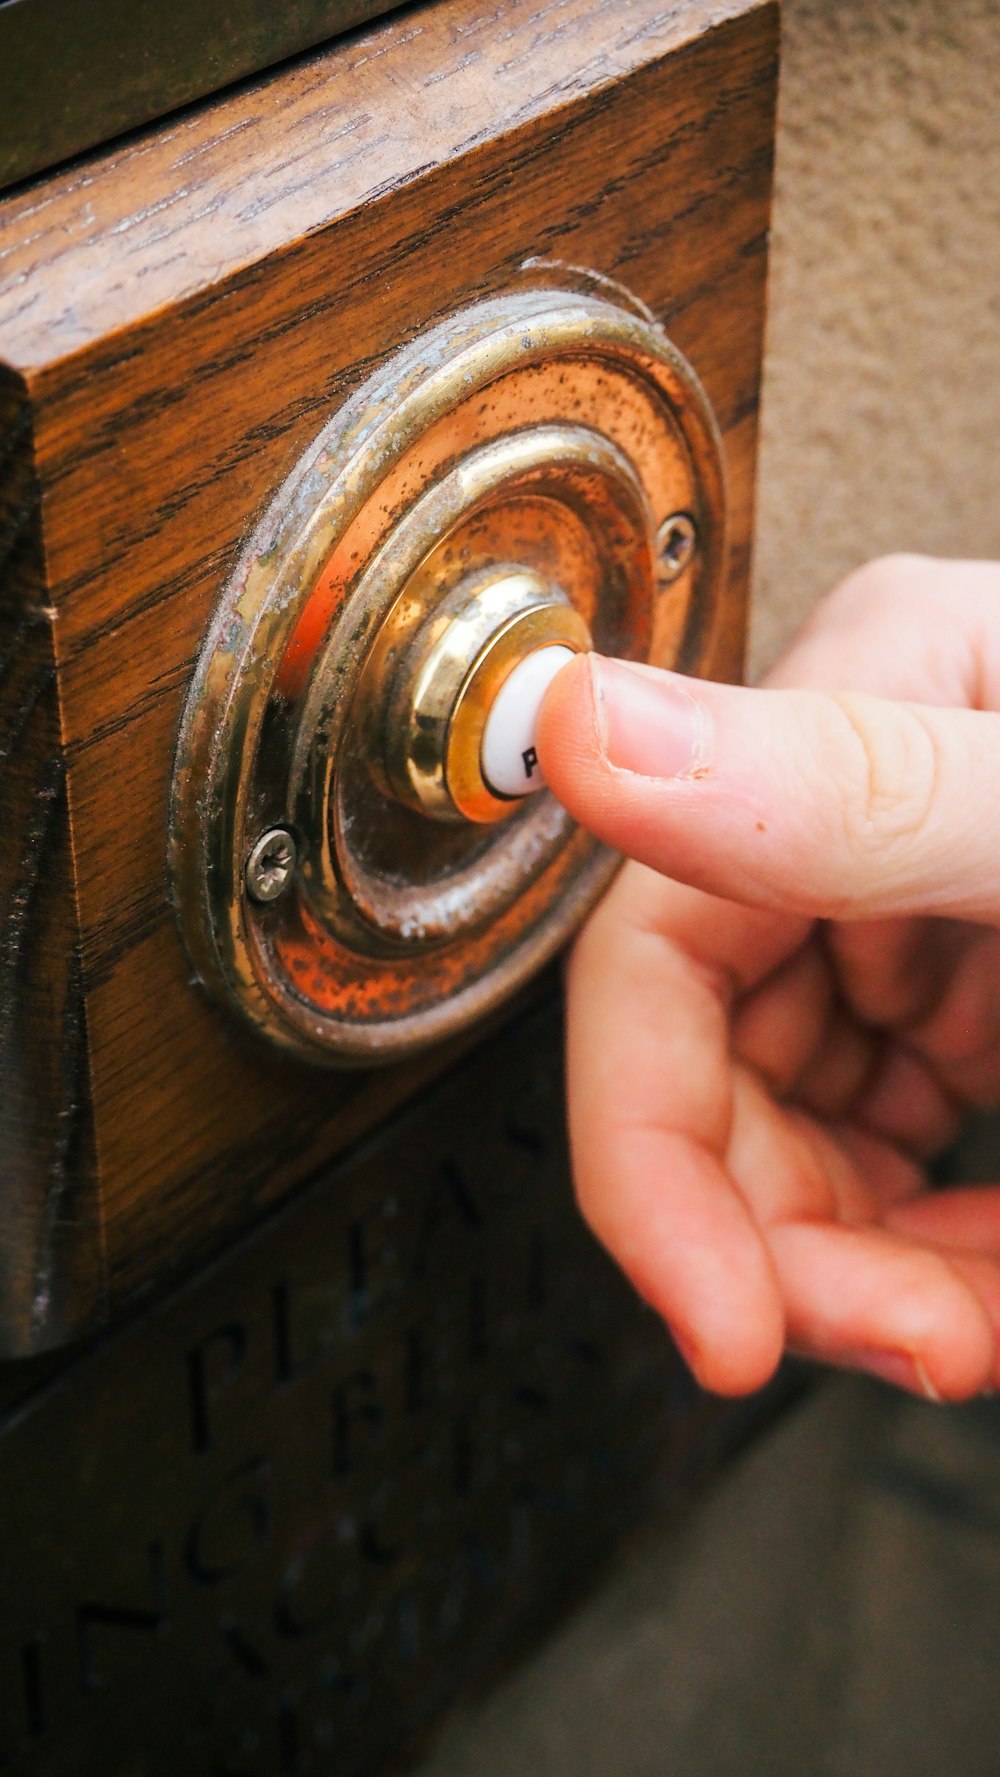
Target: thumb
{"x": 825, "y": 805}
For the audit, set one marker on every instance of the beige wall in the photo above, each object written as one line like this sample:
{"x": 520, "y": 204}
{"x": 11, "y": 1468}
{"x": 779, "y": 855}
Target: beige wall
{"x": 882, "y": 382}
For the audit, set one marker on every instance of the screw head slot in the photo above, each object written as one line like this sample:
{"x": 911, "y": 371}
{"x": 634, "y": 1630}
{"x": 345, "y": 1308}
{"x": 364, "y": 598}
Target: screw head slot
{"x": 676, "y": 542}
{"x": 271, "y": 866}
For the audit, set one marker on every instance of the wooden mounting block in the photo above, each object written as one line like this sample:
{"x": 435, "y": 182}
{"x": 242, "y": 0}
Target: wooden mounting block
{"x": 179, "y": 315}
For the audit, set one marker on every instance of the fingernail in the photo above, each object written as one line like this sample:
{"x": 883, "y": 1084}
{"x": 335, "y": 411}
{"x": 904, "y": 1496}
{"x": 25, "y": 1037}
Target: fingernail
{"x": 646, "y": 721}
{"x": 897, "y": 1367}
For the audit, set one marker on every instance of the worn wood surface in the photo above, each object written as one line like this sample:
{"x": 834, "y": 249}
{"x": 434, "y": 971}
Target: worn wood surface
{"x": 51, "y": 1269}
{"x": 179, "y": 317}
{"x": 106, "y": 83}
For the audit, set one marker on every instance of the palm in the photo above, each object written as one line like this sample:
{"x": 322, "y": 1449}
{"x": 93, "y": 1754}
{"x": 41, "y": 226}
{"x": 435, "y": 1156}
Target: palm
{"x": 754, "y": 1099}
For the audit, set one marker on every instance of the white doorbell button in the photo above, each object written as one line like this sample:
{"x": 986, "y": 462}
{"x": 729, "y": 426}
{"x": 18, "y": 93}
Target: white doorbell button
{"x": 510, "y": 757}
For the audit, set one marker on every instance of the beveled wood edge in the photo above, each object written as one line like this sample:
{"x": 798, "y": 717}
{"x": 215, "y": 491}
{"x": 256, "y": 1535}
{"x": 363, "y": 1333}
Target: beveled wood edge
{"x": 52, "y": 1272}
{"x": 167, "y": 202}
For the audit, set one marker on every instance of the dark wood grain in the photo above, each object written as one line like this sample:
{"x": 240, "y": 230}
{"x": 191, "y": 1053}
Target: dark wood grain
{"x": 106, "y": 83}
{"x": 183, "y": 314}
{"x": 50, "y": 1247}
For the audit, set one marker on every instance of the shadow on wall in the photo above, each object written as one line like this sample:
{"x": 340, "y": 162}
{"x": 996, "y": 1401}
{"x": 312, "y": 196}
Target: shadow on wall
{"x": 880, "y": 406}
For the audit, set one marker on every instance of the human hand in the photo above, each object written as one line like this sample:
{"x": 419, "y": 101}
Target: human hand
{"x": 788, "y": 1002}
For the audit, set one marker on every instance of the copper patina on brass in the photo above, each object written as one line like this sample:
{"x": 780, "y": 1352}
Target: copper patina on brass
{"x": 546, "y": 432}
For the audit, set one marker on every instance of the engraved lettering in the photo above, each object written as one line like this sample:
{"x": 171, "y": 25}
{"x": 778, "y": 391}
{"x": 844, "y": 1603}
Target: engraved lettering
{"x": 414, "y": 1382}
{"x": 529, "y": 759}
{"x": 435, "y": 1617}
{"x": 234, "y": 1525}
{"x": 449, "y": 1202}
{"x": 307, "y": 1324}
{"x": 236, "y": 1708}
{"x": 92, "y": 1618}
{"x": 373, "y": 1260}
{"x": 358, "y": 1420}
{"x": 472, "y": 1571}
{"x": 521, "y": 1135}
{"x": 374, "y": 1539}
{"x": 212, "y": 1368}
{"x": 312, "y": 1593}
{"x": 428, "y": 1363}
{"x": 461, "y": 1194}
{"x": 245, "y": 1655}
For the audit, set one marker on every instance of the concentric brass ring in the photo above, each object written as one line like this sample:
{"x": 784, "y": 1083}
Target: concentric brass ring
{"x": 539, "y": 627}
{"x": 427, "y": 724}
{"x": 543, "y": 433}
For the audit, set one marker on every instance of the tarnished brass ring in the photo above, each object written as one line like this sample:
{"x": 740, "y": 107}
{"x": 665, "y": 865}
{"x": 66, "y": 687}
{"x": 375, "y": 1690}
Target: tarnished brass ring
{"x": 410, "y": 693}
{"x": 394, "y": 595}
{"x": 538, "y": 627}
{"x": 396, "y": 930}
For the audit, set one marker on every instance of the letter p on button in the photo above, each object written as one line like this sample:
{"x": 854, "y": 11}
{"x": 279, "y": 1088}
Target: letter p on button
{"x": 509, "y": 759}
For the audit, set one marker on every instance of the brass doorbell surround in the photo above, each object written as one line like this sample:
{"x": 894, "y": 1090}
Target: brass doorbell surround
{"x": 502, "y": 484}
{"x": 434, "y": 715}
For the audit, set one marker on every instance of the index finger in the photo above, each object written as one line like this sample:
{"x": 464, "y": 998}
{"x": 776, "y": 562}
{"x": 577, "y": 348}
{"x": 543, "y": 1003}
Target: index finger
{"x": 650, "y": 1101}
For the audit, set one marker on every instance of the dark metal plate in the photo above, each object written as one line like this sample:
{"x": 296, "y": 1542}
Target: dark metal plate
{"x": 74, "y": 73}
{"x": 274, "y": 1525}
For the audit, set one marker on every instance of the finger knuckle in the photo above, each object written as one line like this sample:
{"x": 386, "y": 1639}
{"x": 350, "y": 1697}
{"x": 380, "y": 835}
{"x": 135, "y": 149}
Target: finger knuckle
{"x": 891, "y": 796}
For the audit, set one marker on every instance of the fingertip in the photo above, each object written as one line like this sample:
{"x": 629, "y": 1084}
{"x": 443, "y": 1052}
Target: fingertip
{"x": 568, "y": 739}
{"x": 667, "y": 1212}
{"x": 727, "y": 1354}
{"x": 957, "y": 1367}
{"x": 863, "y": 1298}
{"x": 949, "y": 1374}
{"x": 733, "y": 1367}
{"x": 955, "y": 1359}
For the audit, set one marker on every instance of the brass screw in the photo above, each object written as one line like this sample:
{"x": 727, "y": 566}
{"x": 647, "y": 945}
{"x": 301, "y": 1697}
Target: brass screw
{"x": 271, "y": 865}
{"x": 676, "y": 542}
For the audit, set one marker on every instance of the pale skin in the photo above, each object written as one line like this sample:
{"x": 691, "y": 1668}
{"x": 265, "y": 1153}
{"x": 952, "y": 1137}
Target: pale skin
{"x": 790, "y": 999}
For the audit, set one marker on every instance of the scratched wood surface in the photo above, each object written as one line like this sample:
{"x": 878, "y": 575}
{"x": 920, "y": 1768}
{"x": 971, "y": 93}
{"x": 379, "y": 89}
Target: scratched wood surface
{"x": 50, "y": 1247}
{"x": 178, "y": 317}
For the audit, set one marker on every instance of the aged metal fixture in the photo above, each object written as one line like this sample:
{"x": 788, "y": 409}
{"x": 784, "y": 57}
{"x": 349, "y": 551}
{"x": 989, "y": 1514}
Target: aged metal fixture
{"x": 271, "y": 865}
{"x": 431, "y": 721}
{"x": 535, "y": 472}
{"x": 676, "y": 543}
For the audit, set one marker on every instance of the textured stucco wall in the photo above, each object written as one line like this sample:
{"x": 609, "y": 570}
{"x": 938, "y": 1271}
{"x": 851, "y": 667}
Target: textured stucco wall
{"x": 882, "y": 381}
